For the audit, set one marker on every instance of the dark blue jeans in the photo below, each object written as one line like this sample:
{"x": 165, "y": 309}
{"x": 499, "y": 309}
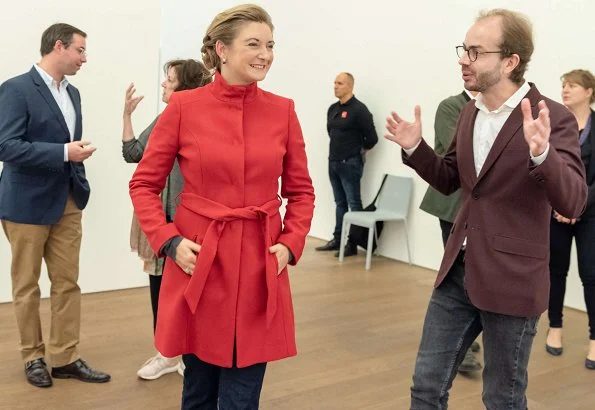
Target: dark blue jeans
{"x": 345, "y": 176}
{"x": 210, "y": 387}
{"x": 452, "y": 323}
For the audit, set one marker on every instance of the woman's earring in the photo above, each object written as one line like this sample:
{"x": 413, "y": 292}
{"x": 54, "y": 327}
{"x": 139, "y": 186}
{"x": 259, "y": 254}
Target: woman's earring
{"x": 223, "y": 60}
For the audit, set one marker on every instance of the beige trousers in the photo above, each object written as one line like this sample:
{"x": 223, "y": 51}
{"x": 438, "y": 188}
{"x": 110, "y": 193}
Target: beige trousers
{"x": 59, "y": 245}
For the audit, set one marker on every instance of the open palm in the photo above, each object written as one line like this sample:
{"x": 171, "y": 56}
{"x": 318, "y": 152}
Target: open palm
{"x": 406, "y": 134}
{"x": 537, "y": 131}
{"x": 130, "y": 102}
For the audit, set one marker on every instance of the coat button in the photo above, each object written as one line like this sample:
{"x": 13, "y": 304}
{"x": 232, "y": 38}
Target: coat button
{"x": 475, "y": 195}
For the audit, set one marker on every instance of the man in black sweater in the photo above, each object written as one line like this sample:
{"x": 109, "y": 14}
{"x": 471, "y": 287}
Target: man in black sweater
{"x": 351, "y": 130}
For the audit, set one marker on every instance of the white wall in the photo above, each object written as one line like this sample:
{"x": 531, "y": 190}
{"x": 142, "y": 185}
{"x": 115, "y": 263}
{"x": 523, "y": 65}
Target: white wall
{"x": 123, "y": 46}
{"x": 401, "y": 54}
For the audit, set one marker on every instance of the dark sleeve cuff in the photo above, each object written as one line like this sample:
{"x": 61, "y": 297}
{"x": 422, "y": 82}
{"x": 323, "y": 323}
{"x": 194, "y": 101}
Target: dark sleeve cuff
{"x": 291, "y": 257}
{"x": 169, "y": 248}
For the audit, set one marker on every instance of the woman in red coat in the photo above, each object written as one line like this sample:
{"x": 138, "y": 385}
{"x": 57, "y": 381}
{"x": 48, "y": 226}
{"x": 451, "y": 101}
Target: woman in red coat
{"x": 225, "y": 300}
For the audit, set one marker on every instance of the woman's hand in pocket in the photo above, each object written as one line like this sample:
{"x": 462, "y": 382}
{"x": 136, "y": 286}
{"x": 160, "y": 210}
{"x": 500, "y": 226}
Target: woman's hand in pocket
{"x": 282, "y": 253}
{"x": 563, "y": 219}
{"x": 186, "y": 255}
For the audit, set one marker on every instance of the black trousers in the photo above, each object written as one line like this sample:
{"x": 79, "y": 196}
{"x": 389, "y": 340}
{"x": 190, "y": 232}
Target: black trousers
{"x": 154, "y": 288}
{"x": 561, "y": 236}
{"x": 446, "y": 227}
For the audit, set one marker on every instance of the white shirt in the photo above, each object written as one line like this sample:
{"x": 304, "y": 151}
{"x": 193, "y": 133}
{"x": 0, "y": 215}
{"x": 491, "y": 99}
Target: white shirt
{"x": 471, "y": 96}
{"x": 488, "y": 125}
{"x": 63, "y": 100}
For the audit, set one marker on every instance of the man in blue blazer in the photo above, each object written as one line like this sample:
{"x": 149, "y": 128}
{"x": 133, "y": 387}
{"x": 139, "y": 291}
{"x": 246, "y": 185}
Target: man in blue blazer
{"x": 43, "y": 190}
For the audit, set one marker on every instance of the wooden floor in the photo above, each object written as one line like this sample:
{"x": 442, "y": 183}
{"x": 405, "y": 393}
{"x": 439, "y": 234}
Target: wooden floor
{"x": 357, "y": 337}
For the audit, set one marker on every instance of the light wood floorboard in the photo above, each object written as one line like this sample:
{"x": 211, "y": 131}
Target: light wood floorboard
{"x": 357, "y": 335}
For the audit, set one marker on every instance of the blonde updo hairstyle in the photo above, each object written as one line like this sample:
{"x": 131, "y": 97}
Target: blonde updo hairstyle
{"x": 225, "y": 27}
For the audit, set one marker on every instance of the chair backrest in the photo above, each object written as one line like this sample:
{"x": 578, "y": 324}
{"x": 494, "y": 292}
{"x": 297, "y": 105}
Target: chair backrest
{"x": 395, "y": 195}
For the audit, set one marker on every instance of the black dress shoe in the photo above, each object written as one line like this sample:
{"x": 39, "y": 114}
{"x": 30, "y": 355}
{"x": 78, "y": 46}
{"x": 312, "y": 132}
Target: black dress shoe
{"x": 554, "y": 351}
{"x": 81, "y": 371}
{"x": 332, "y": 245}
{"x": 350, "y": 250}
{"x": 590, "y": 364}
{"x": 37, "y": 373}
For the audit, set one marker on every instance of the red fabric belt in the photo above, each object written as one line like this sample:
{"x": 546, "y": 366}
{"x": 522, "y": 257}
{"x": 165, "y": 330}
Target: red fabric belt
{"x": 220, "y": 215}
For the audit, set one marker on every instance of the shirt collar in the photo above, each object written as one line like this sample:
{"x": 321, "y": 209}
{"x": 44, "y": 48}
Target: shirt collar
{"x": 509, "y": 105}
{"x": 471, "y": 97}
{"x": 349, "y": 101}
{"x": 48, "y": 79}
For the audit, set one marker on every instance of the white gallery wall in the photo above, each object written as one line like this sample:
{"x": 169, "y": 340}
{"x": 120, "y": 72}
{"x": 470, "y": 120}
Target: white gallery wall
{"x": 401, "y": 53}
{"x": 123, "y": 46}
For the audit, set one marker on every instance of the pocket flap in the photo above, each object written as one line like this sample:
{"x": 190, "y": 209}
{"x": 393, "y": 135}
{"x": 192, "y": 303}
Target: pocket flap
{"x": 517, "y": 246}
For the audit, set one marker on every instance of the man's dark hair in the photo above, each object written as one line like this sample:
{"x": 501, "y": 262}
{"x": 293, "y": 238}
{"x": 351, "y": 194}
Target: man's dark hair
{"x": 55, "y": 32}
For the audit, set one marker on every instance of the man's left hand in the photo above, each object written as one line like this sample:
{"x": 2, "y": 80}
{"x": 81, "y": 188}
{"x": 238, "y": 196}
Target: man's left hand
{"x": 537, "y": 131}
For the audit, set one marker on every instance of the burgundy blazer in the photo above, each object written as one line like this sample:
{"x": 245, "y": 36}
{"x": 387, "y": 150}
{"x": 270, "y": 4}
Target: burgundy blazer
{"x": 505, "y": 211}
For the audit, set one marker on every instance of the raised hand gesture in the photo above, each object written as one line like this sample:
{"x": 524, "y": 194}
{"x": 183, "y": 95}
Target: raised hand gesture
{"x": 537, "y": 131}
{"x": 406, "y": 134}
{"x": 131, "y": 101}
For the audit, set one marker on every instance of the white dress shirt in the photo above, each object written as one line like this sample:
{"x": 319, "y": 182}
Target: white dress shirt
{"x": 63, "y": 100}
{"x": 488, "y": 125}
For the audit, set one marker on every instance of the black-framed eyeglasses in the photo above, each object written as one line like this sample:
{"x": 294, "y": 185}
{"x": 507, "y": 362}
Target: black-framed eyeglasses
{"x": 473, "y": 53}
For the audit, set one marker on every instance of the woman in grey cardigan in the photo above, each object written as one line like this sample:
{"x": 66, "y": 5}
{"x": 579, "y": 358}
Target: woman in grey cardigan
{"x": 180, "y": 75}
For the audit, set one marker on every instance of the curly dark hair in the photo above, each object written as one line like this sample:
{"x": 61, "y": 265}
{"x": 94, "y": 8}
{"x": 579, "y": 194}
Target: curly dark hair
{"x": 189, "y": 73}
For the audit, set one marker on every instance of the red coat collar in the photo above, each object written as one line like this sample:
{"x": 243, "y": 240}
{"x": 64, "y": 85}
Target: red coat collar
{"x": 233, "y": 93}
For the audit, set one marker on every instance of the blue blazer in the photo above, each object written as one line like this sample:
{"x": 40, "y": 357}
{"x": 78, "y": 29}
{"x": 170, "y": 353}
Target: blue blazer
{"x": 35, "y": 180}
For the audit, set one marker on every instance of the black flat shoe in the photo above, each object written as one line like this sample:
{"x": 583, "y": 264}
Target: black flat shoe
{"x": 81, "y": 371}
{"x": 554, "y": 351}
{"x": 37, "y": 373}
{"x": 590, "y": 364}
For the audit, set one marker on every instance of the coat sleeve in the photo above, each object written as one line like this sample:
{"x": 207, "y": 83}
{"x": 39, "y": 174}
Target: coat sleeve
{"x": 589, "y": 172}
{"x": 133, "y": 150}
{"x": 296, "y": 187}
{"x": 365, "y": 122}
{"x": 16, "y": 147}
{"x": 562, "y": 173}
{"x": 151, "y": 175}
{"x": 440, "y": 172}
{"x": 445, "y": 125}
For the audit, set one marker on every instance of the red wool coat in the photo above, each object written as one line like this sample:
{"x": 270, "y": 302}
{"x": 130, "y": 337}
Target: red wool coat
{"x": 233, "y": 143}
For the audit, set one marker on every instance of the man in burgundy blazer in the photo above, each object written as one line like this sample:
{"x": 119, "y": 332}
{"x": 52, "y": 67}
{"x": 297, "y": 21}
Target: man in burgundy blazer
{"x": 512, "y": 169}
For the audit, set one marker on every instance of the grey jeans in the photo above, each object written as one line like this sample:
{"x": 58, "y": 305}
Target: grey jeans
{"x": 452, "y": 323}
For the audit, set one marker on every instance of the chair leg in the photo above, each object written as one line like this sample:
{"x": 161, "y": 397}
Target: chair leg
{"x": 376, "y": 238}
{"x": 407, "y": 241}
{"x": 371, "y": 232}
{"x": 344, "y": 233}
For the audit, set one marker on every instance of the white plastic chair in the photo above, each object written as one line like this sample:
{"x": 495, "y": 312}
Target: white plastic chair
{"x": 392, "y": 205}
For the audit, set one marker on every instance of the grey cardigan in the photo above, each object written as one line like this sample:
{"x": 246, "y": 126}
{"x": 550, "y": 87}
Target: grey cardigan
{"x": 133, "y": 152}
